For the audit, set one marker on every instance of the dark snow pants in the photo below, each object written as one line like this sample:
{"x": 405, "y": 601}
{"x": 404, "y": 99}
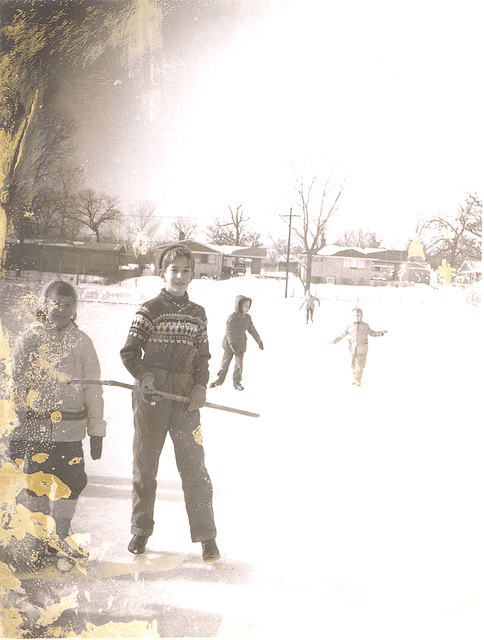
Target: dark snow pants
{"x": 151, "y": 426}
{"x": 238, "y": 365}
{"x": 63, "y": 461}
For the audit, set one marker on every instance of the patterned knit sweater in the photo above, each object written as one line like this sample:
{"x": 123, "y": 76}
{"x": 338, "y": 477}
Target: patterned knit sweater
{"x": 168, "y": 333}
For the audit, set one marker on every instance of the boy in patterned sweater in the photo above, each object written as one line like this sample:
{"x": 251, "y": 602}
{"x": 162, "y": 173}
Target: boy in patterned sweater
{"x": 167, "y": 350}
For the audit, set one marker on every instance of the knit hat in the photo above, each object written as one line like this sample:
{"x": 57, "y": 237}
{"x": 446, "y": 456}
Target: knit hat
{"x": 184, "y": 250}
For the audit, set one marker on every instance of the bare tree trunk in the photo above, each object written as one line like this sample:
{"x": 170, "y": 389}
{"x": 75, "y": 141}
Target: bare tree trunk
{"x": 309, "y": 268}
{"x": 314, "y": 219}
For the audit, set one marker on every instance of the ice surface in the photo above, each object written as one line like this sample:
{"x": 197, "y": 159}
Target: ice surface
{"x": 342, "y": 512}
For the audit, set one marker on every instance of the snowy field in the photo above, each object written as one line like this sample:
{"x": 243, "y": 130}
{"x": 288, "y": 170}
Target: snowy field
{"x": 342, "y": 512}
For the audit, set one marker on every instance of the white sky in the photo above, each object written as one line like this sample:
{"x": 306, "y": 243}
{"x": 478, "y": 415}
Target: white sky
{"x": 384, "y": 94}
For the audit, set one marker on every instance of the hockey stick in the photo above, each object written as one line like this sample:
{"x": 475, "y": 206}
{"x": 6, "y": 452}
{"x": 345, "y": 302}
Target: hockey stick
{"x": 167, "y": 396}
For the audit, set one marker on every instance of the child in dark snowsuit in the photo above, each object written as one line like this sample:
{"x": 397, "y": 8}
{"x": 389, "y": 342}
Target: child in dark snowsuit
{"x": 358, "y": 332}
{"x": 235, "y": 342}
{"x": 167, "y": 350}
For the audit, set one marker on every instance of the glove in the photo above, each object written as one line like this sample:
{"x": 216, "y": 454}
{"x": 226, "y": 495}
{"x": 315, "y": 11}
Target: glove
{"x": 96, "y": 447}
{"x": 261, "y": 346}
{"x": 198, "y": 397}
{"x": 147, "y": 387}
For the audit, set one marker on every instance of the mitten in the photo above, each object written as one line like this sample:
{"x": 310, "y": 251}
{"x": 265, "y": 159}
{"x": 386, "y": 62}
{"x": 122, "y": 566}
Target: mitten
{"x": 96, "y": 447}
{"x": 198, "y": 397}
{"x": 147, "y": 387}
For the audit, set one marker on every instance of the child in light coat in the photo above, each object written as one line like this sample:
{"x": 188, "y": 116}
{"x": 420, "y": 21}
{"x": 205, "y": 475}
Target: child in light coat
{"x": 358, "y": 332}
{"x": 53, "y": 415}
{"x": 310, "y": 302}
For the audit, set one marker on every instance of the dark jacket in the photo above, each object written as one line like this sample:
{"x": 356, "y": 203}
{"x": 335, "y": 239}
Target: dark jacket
{"x": 237, "y": 324}
{"x": 168, "y": 338}
{"x": 358, "y": 333}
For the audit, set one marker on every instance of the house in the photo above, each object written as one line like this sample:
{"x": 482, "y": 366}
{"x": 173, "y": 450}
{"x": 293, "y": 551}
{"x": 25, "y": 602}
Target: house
{"x": 469, "y": 272}
{"x": 340, "y": 265}
{"x": 214, "y": 261}
{"x": 415, "y": 270}
{"x": 283, "y": 265}
{"x": 248, "y": 256}
{"x": 357, "y": 266}
{"x": 56, "y": 256}
{"x": 253, "y": 256}
{"x": 209, "y": 260}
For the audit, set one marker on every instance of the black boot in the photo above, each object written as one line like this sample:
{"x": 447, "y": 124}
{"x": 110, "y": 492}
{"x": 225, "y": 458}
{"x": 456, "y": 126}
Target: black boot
{"x": 210, "y": 551}
{"x": 62, "y": 527}
{"x": 137, "y": 544}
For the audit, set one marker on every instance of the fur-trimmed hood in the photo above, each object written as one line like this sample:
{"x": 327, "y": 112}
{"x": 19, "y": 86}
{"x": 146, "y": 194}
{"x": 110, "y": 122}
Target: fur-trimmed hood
{"x": 238, "y": 303}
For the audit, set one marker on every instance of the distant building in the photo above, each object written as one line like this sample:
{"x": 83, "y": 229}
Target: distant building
{"x": 209, "y": 260}
{"x": 415, "y": 270}
{"x": 214, "y": 261}
{"x": 291, "y": 267}
{"x": 356, "y": 266}
{"x": 251, "y": 257}
{"x": 469, "y": 272}
{"x": 55, "y": 256}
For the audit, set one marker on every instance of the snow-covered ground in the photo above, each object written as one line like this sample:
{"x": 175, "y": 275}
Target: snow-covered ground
{"x": 342, "y": 512}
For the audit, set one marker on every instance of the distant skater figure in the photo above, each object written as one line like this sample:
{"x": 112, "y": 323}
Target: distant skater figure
{"x": 358, "y": 332}
{"x": 235, "y": 342}
{"x": 310, "y": 302}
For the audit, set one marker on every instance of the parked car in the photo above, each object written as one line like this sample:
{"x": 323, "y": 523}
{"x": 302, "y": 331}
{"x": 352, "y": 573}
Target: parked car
{"x": 239, "y": 268}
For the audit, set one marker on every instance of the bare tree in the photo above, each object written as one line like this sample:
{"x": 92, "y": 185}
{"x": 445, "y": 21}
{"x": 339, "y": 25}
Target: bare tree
{"x": 114, "y": 232}
{"x": 457, "y": 237}
{"x": 57, "y": 145}
{"x": 359, "y": 238}
{"x": 233, "y": 231}
{"x": 38, "y": 193}
{"x": 55, "y": 213}
{"x": 141, "y": 226}
{"x": 313, "y": 219}
{"x": 184, "y": 228}
{"x": 279, "y": 249}
{"x": 279, "y": 245}
{"x": 40, "y": 42}
{"x": 95, "y": 210}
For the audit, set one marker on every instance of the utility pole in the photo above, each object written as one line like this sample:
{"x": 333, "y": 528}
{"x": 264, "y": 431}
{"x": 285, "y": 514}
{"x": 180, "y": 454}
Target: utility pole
{"x": 290, "y": 216}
